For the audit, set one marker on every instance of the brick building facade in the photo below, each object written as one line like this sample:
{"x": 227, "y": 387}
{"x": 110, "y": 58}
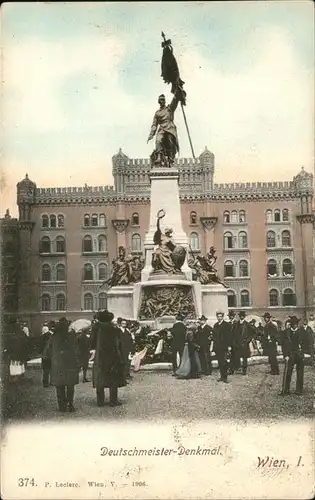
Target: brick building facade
{"x": 263, "y": 233}
{"x": 10, "y": 255}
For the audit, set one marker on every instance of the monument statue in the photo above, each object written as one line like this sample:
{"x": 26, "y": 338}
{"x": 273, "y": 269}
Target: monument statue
{"x": 163, "y": 126}
{"x": 126, "y": 270}
{"x": 205, "y": 272}
{"x": 168, "y": 257}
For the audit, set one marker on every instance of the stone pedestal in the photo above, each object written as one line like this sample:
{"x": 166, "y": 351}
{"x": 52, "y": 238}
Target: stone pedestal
{"x": 165, "y": 194}
{"x": 139, "y": 290}
{"x": 120, "y": 301}
{"x": 213, "y": 299}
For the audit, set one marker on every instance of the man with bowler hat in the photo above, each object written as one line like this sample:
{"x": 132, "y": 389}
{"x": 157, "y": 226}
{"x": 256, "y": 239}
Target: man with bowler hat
{"x": 178, "y": 331}
{"x": 295, "y": 345}
{"x": 246, "y": 334}
{"x": 269, "y": 343}
{"x": 222, "y": 344}
{"x": 203, "y": 339}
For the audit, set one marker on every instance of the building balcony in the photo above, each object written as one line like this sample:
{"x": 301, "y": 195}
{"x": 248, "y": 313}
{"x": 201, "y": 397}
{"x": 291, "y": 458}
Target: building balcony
{"x": 52, "y": 254}
{"x": 236, "y": 250}
{"x": 89, "y": 228}
{"x": 95, "y": 254}
{"x": 279, "y": 249}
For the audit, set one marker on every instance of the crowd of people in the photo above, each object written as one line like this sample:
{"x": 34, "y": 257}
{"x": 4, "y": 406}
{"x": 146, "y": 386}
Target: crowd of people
{"x": 191, "y": 346}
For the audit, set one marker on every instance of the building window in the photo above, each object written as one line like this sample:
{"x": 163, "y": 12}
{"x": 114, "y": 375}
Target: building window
{"x": 285, "y": 215}
{"x": 53, "y": 221}
{"x": 269, "y": 216}
{"x": 193, "y": 218}
{"x": 288, "y": 297}
{"x": 60, "y": 244}
{"x": 46, "y": 272}
{"x": 87, "y": 244}
{"x": 61, "y": 272}
{"x": 88, "y": 302}
{"x": 136, "y": 243}
{"x": 272, "y": 267}
{"x": 102, "y": 243}
{"x": 94, "y": 220}
{"x": 271, "y": 239}
{"x": 86, "y": 220}
{"x": 10, "y": 275}
{"x": 88, "y": 272}
{"x": 135, "y": 221}
{"x": 102, "y": 301}
{"x": 46, "y": 303}
{"x": 228, "y": 240}
{"x": 102, "y": 220}
{"x": 8, "y": 248}
{"x": 45, "y": 221}
{"x": 273, "y": 297}
{"x": 231, "y": 298}
{"x": 229, "y": 269}
{"x": 10, "y": 303}
{"x": 243, "y": 268}
{"x": 60, "y": 302}
{"x": 245, "y": 302}
{"x": 277, "y": 215}
{"x": 226, "y": 217}
{"x": 194, "y": 241}
{"x": 44, "y": 245}
{"x": 102, "y": 271}
{"x": 286, "y": 238}
{"x": 287, "y": 267}
{"x": 242, "y": 216}
{"x": 234, "y": 216}
{"x": 242, "y": 240}
{"x": 61, "y": 220}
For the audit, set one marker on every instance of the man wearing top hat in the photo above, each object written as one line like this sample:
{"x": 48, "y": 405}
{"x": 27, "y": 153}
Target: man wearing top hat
{"x": 222, "y": 344}
{"x": 203, "y": 339}
{"x": 234, "y": 363}
{"x": 178, "y": 332}
{"x": 269, "y": 343}
{"x": 295, "y": 344}
{"x": 245, "y": 336}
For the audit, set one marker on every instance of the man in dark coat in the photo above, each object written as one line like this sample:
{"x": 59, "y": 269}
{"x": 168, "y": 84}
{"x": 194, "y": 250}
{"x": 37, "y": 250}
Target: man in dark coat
{"x": 108, "y": 369}
{"x": 245, "y": 336}
{"x": 269, "y": 343}
{"x": 84, "y": 353}
{"x": 47, "y": 332}
{"x": 222, "y": 344}
{"x": 203, "y": 339}
{"x": 234, "y": 363}
{"x": 62, "y": 350}
{"x": 178, "y": 331}
{"x": 127, "y": 346}
{"x": 295, "y": 344}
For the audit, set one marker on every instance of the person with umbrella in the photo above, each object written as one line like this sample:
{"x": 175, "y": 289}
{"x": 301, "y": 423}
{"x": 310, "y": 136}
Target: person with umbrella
{"x": 84, "y": 352}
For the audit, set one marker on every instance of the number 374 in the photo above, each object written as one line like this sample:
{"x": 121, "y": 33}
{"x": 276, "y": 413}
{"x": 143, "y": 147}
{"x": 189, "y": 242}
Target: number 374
{"x": 26, "y": 481}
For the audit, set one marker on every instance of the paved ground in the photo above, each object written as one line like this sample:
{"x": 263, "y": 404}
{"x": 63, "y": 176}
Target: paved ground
{"x": 156, "y": 396}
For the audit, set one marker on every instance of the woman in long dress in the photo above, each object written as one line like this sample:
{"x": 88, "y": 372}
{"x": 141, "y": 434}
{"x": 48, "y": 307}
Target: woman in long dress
{"x": 190, "y": 366}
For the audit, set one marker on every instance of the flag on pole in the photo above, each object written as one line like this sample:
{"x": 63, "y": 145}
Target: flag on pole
{"x": 170, "y": 71}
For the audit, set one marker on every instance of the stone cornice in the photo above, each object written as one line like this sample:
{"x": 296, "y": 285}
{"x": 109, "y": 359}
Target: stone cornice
{"x": 306, "y": 218}
{"x": 120, "y": 224}
{"x": 208, "y": 222}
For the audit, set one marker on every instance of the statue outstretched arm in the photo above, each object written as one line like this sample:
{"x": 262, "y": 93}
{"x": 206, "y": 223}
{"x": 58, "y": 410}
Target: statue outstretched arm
{"x": 174, "y": 102}
{"x": 154, "y": 127}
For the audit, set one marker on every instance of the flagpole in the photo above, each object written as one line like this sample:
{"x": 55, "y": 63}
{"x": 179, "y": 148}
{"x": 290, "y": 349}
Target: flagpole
{"x": 191, "y": 146}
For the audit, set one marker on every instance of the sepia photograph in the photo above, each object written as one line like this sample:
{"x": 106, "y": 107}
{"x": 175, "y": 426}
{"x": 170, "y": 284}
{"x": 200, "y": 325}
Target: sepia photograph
{"x": 157, "y": 250}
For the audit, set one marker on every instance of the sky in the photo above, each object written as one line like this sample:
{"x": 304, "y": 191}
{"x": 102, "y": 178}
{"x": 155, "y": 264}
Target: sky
{"x": 81, "y": 80}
